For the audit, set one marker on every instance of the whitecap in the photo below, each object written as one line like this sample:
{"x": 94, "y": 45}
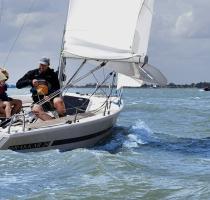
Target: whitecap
{"x": 140, "y": 134}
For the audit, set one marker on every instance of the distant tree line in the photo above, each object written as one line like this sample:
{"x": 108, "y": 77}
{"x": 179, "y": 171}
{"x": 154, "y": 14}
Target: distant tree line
{"x": 192, "y": 85}
{"x": 170, "y": 85}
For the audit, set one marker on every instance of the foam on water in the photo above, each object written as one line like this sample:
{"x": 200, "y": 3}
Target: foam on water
{"x": 128, "y": 137}
{"x": 139, "y": 134}
{"x": 196, "y": 98}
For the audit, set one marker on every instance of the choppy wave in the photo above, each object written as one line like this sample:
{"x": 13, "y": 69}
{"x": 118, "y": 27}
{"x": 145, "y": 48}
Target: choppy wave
{"x": 139, "y": 135}
{"x": 160, "y": 149}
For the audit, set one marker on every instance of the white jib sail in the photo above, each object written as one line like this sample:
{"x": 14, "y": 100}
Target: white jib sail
{"x": 130, "y": 82}
{"x": 145, "y": 73}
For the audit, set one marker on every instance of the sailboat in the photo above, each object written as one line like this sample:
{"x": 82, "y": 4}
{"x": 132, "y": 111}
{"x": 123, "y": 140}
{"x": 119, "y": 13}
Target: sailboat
{"x": 106, "y": 34}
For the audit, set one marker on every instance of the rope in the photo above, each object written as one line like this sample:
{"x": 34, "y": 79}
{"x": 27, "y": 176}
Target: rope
{"x": 19, "y": 33}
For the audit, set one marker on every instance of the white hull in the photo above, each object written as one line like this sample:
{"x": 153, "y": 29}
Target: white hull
{"x": 85, "y": 132}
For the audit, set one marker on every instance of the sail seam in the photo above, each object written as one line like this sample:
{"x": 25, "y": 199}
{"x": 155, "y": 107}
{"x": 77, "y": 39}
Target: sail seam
{"x": 92, "y": 58}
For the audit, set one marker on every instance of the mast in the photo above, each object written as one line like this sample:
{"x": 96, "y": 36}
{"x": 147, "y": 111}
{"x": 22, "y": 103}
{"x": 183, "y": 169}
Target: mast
{"x": 62, "y": 63}
{"x": 62, "y": 59}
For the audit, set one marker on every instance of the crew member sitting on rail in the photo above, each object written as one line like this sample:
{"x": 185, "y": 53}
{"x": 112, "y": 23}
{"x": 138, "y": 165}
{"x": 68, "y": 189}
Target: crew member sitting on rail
{"x": 8, "y": 105}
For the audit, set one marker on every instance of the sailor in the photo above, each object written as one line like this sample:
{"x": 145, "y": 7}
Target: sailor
{"x": 43, "y": 81}
{"x": 8, "y": 105}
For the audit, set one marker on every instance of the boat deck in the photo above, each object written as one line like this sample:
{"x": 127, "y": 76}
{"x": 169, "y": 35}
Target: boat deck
{"x": 63, "y": 120}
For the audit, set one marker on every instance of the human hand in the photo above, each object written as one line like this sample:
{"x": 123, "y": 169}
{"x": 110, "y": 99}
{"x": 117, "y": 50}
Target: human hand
{"x": 35, "y": 82}
{"x": 46, "y": 98}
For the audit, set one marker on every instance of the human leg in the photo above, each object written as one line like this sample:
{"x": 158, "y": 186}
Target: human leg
{"x": 39, "y": 112}
{"x": 7, "y": 108}
{"x": 17, "y": 105}
{"x": 2, "y": 110}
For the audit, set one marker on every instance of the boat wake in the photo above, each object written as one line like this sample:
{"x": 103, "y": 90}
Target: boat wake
{"x": 141, "y": 137}
{"x": 128, "y": 138}
{"x": 199, "y": 146}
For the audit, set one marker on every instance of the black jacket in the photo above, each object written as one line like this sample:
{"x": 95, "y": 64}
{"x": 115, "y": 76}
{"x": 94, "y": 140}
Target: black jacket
{"x": 3, "y": 94}
{"x": 50, "y": 76}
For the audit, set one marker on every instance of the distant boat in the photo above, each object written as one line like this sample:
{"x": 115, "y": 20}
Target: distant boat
{"x": 206, "y": 89}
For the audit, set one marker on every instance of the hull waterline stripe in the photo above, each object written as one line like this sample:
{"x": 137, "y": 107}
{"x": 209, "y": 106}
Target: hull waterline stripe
{"x": 56, "y": 142}
{"x": 79, "y": 139}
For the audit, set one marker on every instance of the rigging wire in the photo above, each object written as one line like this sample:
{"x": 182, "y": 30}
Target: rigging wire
{"x": 19, "y": 32}
{"x": 108, "y": 96}
{"x": 104, "y": 75}
{"x": 59, "y": 91}
{"x": 97, "y": 82}
{"x": 96, "y": 89}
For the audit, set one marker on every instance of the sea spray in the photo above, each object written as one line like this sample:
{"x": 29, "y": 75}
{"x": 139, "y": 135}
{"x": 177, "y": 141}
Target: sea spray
{"x": 139, "y": 134}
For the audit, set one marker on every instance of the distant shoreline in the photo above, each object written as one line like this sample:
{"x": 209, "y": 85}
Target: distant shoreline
{"x": 199, "y": 85}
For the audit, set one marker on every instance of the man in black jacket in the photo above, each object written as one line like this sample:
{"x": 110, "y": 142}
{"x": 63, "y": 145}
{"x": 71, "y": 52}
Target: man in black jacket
{"x": 43, "y": 81}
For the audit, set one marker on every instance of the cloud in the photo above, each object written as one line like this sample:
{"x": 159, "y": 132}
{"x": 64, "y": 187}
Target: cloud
{"x": 38, "y": 27}
{"x": 193, "y": 24}
{"x": 41, "y": 33}
{"x": 183, "y": 26}
{"x": 43, "y": 30}
{"x": 180, "y": 38}
{"x": 182, "y": 19}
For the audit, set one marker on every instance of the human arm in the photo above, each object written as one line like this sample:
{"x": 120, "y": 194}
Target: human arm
{"x": 55, "y": 85}
{"x": 26, "y": 80}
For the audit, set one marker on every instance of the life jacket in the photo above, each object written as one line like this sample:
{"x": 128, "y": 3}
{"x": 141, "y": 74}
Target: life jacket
{"x": 3, "y": 94}
{"x": 42, "y": 88}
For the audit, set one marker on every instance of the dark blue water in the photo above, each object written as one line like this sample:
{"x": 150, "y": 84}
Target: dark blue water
{"x": 160, "y": 149}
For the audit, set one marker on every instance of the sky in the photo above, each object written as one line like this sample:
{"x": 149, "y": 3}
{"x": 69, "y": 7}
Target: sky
{"x": 179, "y": 44}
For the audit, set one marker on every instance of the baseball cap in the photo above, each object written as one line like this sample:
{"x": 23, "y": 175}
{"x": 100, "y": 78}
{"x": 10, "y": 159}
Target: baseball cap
{"x": 5, "y": 72}
{"x": 44, "y": 61}
{"x": 2, "y": 77}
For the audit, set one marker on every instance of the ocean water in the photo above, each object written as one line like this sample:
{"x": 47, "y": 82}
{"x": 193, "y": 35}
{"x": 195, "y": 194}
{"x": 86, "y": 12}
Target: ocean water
{"x": 160, "y": 149}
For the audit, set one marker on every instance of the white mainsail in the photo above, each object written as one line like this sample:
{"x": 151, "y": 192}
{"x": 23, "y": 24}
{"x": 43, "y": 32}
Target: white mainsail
{"x": 108, "y": 29}
{"x": 116, "y": 31}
